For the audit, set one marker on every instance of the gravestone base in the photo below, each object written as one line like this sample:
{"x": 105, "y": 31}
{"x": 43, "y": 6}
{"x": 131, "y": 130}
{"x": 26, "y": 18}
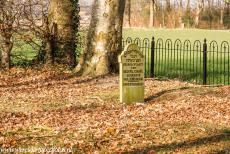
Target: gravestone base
{"x": 131, "y": 95}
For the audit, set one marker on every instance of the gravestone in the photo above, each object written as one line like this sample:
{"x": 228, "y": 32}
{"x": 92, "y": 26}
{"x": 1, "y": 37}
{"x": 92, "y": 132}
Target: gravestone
{"x": 131, "y": 63}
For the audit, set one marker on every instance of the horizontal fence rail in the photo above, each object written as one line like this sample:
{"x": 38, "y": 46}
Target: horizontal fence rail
{"x": 198, "y": 62}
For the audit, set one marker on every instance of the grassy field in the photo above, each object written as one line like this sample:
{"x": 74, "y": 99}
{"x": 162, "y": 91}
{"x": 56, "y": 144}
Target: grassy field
{"x": 186, "y": 63}
{"x": 190, "y": 34}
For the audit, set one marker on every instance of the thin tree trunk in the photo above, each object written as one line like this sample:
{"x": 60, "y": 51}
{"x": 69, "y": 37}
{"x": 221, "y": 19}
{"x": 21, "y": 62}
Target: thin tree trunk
{"x": 180, "y": 14}
{"x": 163, "y": 14}
{"x": 199, "y": 9}
{"x": 188, "y": 5}
{"x": 128, "y": 12}
{"x": 221, "y": 6}
{"x": 152, "y": 18}
{"x": 228, "y": 15}
{"x": 104, "y": 38}
{"x": 210, "y": 7}
{"x": 168, "y": 12}
{"x": 188, "y": 10}
{"x": 221, "y": 17}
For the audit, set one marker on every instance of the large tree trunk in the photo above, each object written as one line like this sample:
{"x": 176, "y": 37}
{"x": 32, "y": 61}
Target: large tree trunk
{"x": 104, "y": 38}
{"x": 7, "y": 18}
{"x": 152, "y": 18}
{"x": 61, "y": 18}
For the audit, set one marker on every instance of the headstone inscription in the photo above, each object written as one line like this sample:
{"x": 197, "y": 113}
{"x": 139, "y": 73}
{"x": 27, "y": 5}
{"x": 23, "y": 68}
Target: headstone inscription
{"x": 131, "y": 63}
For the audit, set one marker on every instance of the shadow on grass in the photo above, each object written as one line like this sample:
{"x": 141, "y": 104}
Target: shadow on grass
{"x": 225, "y": 136}
{"x": 155, "y": 96}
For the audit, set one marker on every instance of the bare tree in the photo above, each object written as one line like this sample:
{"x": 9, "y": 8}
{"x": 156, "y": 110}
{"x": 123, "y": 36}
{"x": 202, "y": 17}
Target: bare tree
{"x": 9, "y": 15}
{"x": 35, "y": 17}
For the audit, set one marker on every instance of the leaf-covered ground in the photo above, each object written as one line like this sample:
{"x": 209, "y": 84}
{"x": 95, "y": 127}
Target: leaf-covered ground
{"x": 52, "y": 108}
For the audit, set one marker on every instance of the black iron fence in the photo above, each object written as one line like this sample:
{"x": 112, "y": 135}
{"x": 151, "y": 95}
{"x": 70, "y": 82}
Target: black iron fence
{"x": 200, "y": 62}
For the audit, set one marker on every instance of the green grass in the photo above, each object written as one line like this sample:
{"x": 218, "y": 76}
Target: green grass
{"x": 185, "y": 64}
{"x": 189, "y": 67}
{"x": 23, "y": 53}
{"x": 190, "y": 34}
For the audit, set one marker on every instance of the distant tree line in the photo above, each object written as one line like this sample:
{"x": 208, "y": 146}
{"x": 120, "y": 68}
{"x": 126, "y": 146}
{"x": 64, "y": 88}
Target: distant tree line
{"x": 211, "y": 14}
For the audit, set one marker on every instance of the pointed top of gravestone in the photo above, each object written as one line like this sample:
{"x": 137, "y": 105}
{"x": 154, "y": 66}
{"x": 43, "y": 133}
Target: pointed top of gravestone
{"x": 132, "y": 46}
{"x": 129, "y": 49}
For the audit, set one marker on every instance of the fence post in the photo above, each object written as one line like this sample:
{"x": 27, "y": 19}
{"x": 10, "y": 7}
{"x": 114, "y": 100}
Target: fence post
{"x": 205, "y": 62}
{"x": 152, "y": 57}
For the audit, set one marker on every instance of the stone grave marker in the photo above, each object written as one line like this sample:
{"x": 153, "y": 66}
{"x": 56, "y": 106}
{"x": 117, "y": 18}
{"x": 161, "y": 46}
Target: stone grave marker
{"x": 131, "y": 63}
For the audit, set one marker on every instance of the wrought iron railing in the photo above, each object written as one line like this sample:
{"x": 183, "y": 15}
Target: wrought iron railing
{"x": 200, "y": 62}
